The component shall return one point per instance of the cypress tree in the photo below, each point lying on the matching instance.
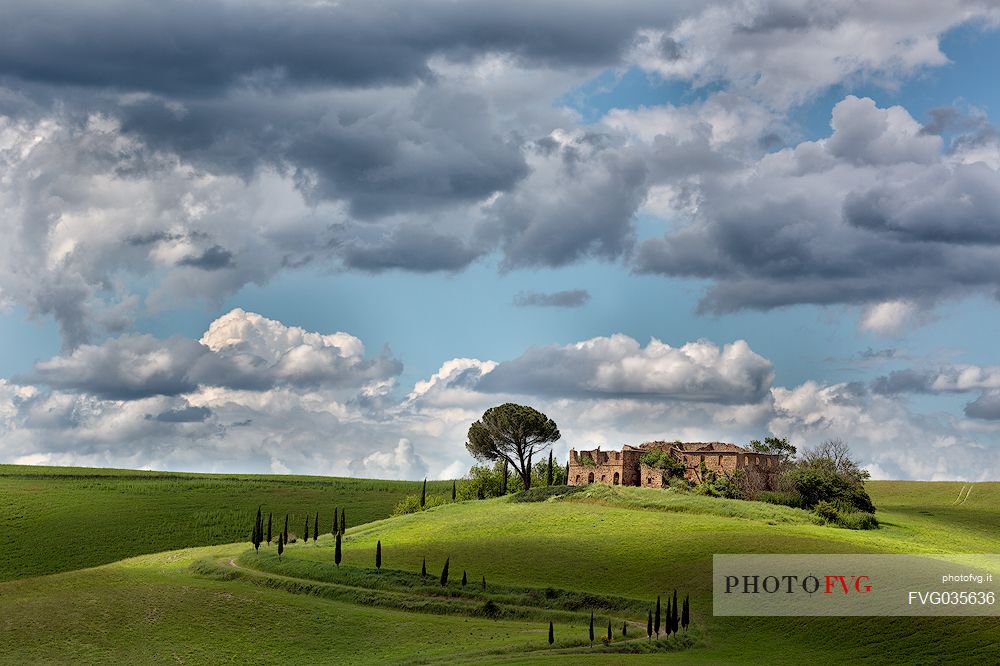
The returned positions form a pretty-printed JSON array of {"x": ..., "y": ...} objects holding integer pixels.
[
  {"x": 668, "y": 619},
  {"x": 343, "y": 520},
  {"x": 454, "y": 489},
  {"x": 675, "y": 616},
  {"x": 285, "y": 533},
  {"x": 591, "y": 626},
  {"x": 378, "y": 555},
  {"x": 423, "y": 568},
  {"x": 656, "y": 618},
  {"x": 552, "y": 636},
  {"x": 609, "y": 630},
  {"x": 337, "y": 554},
  {"x": 686, "y": 614},
  {"x": 624, "y": 629},
  {"x": 316, "y": 527},
  {"x": 484, "y": 583},
  {"x": 257, "y": 532},
  {"x": 548, "y": 471},
  {"x": 649, "y": 624},
  {"x": 336, "y": 516},
  {"x": 503, "y": 482},
  {"x": 465, "y": 579},
  {"x": 566, "y": 479},
  {"x": 269, "y": 528},
  {"x": 444, "y": 572},
  {"x": 281, "y": 546},
  {"x": 305, "y": 539},
  {"x": 423, "y": 494}
]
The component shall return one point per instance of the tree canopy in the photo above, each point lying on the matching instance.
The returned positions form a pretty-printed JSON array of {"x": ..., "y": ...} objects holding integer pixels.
[{"x": 513, "y": 433}]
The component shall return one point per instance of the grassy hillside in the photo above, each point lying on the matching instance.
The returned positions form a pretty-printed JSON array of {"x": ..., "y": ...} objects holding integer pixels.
[
  {"x": 62, "y": 518},
  {"x": 610, "y": 551}
]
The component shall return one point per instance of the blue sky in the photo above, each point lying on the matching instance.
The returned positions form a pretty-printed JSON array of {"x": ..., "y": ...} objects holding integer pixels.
[{"x": 477, "y": 203}]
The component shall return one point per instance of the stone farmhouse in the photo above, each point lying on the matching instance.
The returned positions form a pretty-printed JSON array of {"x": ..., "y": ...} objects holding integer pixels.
[{"x": 626, "y": 468}]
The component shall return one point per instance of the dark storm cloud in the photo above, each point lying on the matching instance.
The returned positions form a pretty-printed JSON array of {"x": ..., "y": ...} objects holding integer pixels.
[
  {"x": 904, "y": 381},
  {"x": 383, "y": 152},
  {"x": 971, "y": 128},
  {"x": 957, "y": 205},
  {"x": 572, "y": 298},
  {"x": 986, "y": 406},
  {"x": 126, "y": 368},
  {"x": 791, "y": 16},
  {"x": 873, "y": 213},
  {"x": 196, "y": 48},
  {"x": 211, "y": 259},
  {"x": 577, "y": 203},
  {"x": 412, "y": 249}
]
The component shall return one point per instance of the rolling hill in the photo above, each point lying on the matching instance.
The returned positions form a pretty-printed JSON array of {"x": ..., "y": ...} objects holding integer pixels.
[{"x": 609, "y": 551}]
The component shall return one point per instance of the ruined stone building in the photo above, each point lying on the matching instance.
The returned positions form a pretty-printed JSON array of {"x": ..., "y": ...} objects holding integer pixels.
[{"x": 626, "y": 468}]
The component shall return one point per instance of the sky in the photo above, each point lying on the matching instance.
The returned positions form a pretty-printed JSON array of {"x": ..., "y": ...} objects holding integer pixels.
[{"x": 323, "y": 238}]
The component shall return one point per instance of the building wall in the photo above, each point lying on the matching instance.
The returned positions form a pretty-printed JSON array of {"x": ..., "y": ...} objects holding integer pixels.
[
  {"x": 623, "y": 467},
  {"x": 651, "y": 477},
  {"x": 606, "y": 468}
]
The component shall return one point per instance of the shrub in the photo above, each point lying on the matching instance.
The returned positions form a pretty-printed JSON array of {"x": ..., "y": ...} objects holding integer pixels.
[
  {"x": 820, "y": 483},
  {"x": 858, "y": 520},
  {"x": 484, "y": 481},
  {"x": 791, "y": 499},
  {"x": 409, "y": 504},
  {"x": 489, "y": 609},
  {"x": 723, "y": 485},
  {"x": 681, "y": 484},
  {"x": 585, "y": 459},
  {"x": 827, "y": 511}
]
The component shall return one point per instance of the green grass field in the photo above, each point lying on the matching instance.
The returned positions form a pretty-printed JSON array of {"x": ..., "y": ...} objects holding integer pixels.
[
  {"x": 62, "y": 518},
  {"x": 610, "y": 551}
]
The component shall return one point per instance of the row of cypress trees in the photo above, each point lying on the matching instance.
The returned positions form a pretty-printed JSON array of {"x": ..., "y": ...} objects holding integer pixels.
[
  {"x": 262, "y": 534},
  {"x": 674, "y": 619}
]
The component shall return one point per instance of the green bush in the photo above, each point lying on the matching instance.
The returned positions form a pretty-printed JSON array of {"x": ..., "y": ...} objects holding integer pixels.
[
  {"x": 681, "y": 484},
  {"x": 858, "y": 520},
  {"x": 827, "y": 511},
  {"x": 485, "y": 481},
  {"x": 489, "y": 609},
  {"x": 585, "y": 459},
  {"x": 723, "y": 485},
  {"x": 791, "y": 499},
  {"x": 817, "y": 484}
]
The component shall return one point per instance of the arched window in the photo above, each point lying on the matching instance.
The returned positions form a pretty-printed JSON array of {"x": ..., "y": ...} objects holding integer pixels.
[
  {"x": 590, "y": 478},
  {"x": 603, "y": 478},
  {"x": 578, "y": 478},
  {"x": 616, "y": 478},
  {"x": 720, "y": 460}
]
